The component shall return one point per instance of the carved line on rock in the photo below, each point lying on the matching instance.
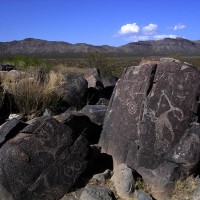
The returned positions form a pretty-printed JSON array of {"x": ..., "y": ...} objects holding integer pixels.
[{"x": 162, "y": 144}]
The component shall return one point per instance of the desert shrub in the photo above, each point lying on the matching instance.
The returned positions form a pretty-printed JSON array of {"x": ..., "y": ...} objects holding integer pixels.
[
  {"x": 141, "y": 185},
  {"x": 31, "y": 94},
  {"x": 99, "y": 61},
  {"x": 184, "y": 189},
  {"x": 27, "y": 62}
]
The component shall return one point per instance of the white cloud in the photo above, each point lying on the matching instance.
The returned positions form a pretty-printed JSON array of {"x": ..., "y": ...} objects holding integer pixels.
[
  {"x": 129, "y": 28},
  {"x": 137, "y": 38},
  {"x": 178, "y": 27},
  {"x": 159, "y": 37},
  {"x": 150, "y": 29},
  {"x": 143, "y": 33}
]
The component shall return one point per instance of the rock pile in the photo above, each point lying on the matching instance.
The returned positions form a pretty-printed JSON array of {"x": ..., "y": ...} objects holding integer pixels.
[{"x": 149, "y": 142}]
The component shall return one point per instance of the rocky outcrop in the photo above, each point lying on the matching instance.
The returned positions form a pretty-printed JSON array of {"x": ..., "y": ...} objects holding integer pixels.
[
  {"x": 43, "y": 161},
  {"x": 152, "y": 123}
]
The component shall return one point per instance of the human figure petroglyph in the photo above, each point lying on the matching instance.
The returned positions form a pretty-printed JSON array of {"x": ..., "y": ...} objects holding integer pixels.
[{"x": 161, "y": 143}]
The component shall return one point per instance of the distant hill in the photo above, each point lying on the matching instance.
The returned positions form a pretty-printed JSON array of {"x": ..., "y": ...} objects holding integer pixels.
[{"x": 167, "y": 46}]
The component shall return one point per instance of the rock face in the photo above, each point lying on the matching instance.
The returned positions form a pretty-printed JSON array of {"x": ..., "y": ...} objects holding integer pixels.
[
  {"x": 42, "y": 162},
  {"x": 153, "y": 111}
]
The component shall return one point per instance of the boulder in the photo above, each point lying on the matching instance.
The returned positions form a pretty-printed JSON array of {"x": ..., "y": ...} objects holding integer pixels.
[
  {"x": 72, "y": 92},
  {"x": 42, "y": 162},
  {"x": 93, "y": 192},
  {"x": 96, "y": 113},
  {"x": 82, "y": 124},
  {"x": 140, "y": 195},
  {"x": 7, "y": 67},
  {"x": 102, "y": 177},
  {"x": 10, "y": 129},
  {"x": 186, "y": 152},
  {"x": 152, "y": 107},
  {"x": 93, "y": 95},
  {"x": 103, "y": 101},
  {"x": 18, "y": 116},
  {"x": 109, "y": 84},
  {"x": 94, "y": 80}
]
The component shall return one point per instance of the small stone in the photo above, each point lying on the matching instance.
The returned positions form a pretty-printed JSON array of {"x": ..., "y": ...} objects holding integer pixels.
[
  {"x": 93, "y": 192},
  {"x": 102, "y": 177},
  {"x": 142, "y": 195}
]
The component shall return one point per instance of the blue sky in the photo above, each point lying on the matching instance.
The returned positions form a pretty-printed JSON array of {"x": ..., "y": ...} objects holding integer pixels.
[{"x": 99, "y": 22}]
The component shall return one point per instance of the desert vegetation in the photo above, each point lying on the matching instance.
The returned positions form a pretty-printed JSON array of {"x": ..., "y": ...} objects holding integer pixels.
[
  {"x": 33, "y": 87},
  {"x": 33, "y": 90},
  {"x": 184, "y": 189},
  {"x": 108, "y": 64}
]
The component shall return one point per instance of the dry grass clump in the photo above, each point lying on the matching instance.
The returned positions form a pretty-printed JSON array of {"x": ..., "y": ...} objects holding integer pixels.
[
  {"x": 77, "y": 70},
  {"x": 184, "y": 189},
  {"x": 141, "y": 185},
  {"x": 33, "y": 91}
]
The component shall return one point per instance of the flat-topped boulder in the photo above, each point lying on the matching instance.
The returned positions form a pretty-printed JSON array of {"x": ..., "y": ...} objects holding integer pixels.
[{"x": 149, "y": 118}]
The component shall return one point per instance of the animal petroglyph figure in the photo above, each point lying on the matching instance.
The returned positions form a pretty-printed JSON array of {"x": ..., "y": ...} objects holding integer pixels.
[{"x": 162, "y": 144}]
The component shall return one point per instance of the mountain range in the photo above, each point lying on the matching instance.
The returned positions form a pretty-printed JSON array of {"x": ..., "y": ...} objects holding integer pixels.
[{"x": 31, "y": 46}]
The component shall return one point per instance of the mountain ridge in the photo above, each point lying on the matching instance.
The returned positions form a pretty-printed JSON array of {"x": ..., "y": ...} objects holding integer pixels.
[{"x": 32, "y": 46}]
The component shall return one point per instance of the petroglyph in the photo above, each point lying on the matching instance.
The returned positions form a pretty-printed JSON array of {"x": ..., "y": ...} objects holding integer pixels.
[
  {"x": 131, "y": 106},
  {"x": 161, "y": 143}
]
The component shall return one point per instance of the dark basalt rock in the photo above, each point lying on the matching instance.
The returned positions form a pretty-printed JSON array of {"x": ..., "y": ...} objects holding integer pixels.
[
  {"x": 152, "y": 107},
  {"x": 83, "y": 122},
  {"x": 186, "y": 152},
  {"x": 93, "y": 95},
  {"x": 10, "y": 129},
  {"x": 72, "y": 93},
  {"x": 42, "y": 162},
  {"x": 96, "y": 113},
  {"x": 109, "y": 84},
  {"x": 6, "y": 67},
  {"x": 93, "y": 192}
]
